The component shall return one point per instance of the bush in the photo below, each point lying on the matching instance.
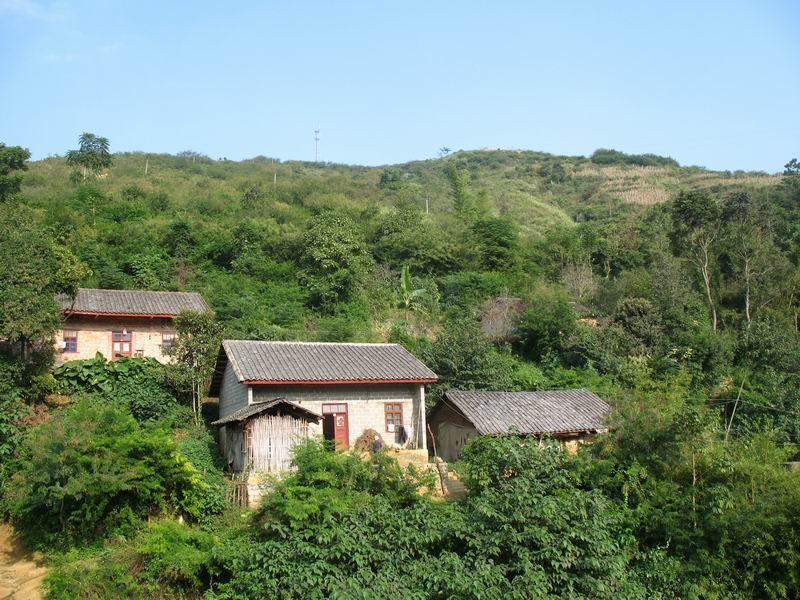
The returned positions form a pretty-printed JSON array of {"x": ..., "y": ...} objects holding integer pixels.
[
  {"x": 207, "y": 498},
  {"x": 166, "y": 560},
  {"x": 545, "y": 327},
  {"x": 93, "y": 471}
]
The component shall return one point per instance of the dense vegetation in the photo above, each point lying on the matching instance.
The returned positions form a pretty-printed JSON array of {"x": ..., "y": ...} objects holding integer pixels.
[{"x": 670, "y": 291}]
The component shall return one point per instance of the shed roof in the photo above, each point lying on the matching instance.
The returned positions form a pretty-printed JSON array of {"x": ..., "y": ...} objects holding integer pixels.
[
  {"x": 547, "y": 411},
  {"x": 323, "y": 363},
  {"x": 256, "y": 409},
  {"x": 131, "y": 303}
]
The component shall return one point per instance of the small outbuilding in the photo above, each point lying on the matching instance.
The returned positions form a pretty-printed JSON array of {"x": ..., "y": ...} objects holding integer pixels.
[
  {"x": 568, "y": 415},
  {"x": 260, "y": 436}
]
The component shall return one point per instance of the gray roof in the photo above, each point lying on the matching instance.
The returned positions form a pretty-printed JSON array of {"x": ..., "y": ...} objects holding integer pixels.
[
  {"x": 547, "y": 411},
  {"x": 312, "y": 362},
  {"x": 131, "y": 302},
  {"x": 256, "y": 409}
]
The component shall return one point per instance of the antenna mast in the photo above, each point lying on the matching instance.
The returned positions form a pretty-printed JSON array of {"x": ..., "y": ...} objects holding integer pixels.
[{"x": 316, "y": 144}]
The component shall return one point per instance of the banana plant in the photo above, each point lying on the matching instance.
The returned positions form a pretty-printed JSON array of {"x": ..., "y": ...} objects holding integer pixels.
[{"x": 408, "y": 295}]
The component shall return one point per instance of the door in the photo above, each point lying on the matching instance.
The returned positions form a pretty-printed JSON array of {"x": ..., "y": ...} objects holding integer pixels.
[
  {"x": 121, "y": 343},
  {"x": 334, "y": 424}
]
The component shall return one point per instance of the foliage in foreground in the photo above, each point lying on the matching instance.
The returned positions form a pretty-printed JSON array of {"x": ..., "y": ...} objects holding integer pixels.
[
  {"x": 93, "y": 471},
  {"x": 332, "y": 530}
]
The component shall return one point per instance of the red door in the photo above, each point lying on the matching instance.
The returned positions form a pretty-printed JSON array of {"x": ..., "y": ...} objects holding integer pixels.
[
  {"x": 121, "y": 343},
  {"x": 334, "y": 426}
]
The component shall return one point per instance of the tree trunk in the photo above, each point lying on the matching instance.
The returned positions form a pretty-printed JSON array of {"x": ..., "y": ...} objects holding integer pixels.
[{"x": 705, "y": 268}]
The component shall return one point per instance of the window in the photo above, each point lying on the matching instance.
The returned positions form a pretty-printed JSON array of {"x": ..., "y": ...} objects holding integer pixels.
[
  {"x": 70, "y": 341},
  {"x": 167, "y": 339},
  {"x": 394, "y": 417},
  {"x": 122, "y": 343},
  {"x": 328, "y": 409}
]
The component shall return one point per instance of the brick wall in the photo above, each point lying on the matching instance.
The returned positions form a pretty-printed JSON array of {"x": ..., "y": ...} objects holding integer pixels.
[
  {"x": 94, "y": 335},
  {"x": 365, "y": 406}
]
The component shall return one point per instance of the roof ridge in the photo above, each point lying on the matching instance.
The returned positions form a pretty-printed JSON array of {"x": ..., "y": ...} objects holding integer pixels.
[{"x": 135, "y": 291}]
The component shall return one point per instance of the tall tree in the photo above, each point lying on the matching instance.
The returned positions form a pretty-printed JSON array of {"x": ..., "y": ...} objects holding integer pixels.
[
  {"x": 33, "y": 269},
  {"x": 696, "y": 223},
  {"x": 12, "y": 160},
  {"x": 195, "y": 352},
  {"x": 92, "y": 156},
  {"x": 749, "y": 244}
]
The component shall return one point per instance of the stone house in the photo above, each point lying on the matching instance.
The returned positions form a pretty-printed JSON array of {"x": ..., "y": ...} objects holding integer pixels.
[
  {"x": 334, "y": 390},
  {"x": 121, "y": 323},
  {"x": 567, "y": 415}
]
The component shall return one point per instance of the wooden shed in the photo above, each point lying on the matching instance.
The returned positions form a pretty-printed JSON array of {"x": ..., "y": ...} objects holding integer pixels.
[
  {"x": 260, "y": 437},
  {"x": 569, "y": 415}
]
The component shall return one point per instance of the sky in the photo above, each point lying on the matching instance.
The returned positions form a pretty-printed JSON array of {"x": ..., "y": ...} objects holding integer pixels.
[{"x": 715, "y": 84}]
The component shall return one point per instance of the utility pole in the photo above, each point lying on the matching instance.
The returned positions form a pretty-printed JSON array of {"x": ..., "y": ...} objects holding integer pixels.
[{"x": 316, "y": 144}]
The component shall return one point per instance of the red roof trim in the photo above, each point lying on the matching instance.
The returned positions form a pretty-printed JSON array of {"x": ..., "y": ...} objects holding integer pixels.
[
  {"x": 87, "y": 313},
  {"x": 332, "y": 381}
]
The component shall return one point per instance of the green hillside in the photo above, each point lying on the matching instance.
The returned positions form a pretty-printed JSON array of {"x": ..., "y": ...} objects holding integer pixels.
[
  {"x": 159, "y": 221},
  {"x": 671, "y": 292}
]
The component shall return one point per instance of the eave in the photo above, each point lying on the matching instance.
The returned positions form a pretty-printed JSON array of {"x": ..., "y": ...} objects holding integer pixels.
[
  {"x": 332, "y": 381},
  {"x": 84, "y": 313}
]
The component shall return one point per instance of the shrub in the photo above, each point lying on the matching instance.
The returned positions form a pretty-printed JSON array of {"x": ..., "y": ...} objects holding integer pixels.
[
  {"x": 207, "y": 498},
  {"x": 545, "y": 327},
  {"x": 91, "y": 471}
]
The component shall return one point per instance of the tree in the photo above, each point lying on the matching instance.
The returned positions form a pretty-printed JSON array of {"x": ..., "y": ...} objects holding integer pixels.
[
  {"x": 695, "y": 227},
  {"x": 33, "y": 269},
  {"x": 92, "y": 156},
  {"x": 195, "y": 353},
  {"x": 12, "y": 158},
  {"x": 749, "y": 243},
  {"x": 335, "y": 258}
]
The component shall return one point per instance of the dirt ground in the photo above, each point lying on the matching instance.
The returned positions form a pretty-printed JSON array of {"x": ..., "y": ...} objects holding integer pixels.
[{"x": 21, "y": 573}]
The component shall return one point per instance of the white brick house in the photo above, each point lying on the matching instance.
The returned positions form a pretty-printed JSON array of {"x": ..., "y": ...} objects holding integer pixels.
[{"x": 338, "y": 390}]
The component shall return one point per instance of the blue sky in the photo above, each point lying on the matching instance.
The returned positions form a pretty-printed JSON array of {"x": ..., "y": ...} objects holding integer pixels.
[{"x": 710, "y": 83}]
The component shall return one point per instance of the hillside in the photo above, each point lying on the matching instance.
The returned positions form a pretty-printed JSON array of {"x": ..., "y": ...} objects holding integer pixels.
[
  {"x": 672, "y": 293},
  {"x": 152, "y": 220}
]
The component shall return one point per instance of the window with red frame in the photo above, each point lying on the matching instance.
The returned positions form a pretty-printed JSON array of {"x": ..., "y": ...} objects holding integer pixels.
[
  {"x": 167, "y": 339},
  {"x": 394, "y": 416},
  {"x": 70, "y": 341}
]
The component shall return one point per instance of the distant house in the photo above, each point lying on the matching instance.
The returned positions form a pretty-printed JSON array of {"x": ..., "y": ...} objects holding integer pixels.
[
  {"x": 569, "y": 415},
  {"x": 121, "y": 322},
  {"x": 271, "y": 393}
]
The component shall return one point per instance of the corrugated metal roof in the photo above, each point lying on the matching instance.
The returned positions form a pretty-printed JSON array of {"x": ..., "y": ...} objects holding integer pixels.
[
  {"x": 319, "y": 362},
  {"x": 131, "y": 302},
  {"x": 547, "y": 411},
  {"x": 256, "y": 409}
]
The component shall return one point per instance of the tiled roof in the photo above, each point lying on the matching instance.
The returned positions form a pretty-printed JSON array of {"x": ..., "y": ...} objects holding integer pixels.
[
  {"x": 131, "y": 302},
  {"x": 317, "y": 362},
  {"x": 548, "y": 411},
  {"x": 256, "y": 409}
]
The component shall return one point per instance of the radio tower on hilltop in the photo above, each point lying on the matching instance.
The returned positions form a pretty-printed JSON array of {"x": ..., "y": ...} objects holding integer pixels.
[{"x": 316, "y": 144}]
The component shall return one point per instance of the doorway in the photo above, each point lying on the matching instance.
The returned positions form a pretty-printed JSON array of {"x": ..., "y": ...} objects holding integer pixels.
[{"x": 334, "y": 424}]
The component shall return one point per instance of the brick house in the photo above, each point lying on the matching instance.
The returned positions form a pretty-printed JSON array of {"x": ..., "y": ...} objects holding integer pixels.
[
  {"x": 121, "y": 322},
  {"x": 313, "y": 388},
  {"x": 567, "y": 415}
]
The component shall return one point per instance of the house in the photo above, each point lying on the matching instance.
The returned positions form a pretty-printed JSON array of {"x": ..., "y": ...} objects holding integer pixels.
[
  {"x": 121, "y": 322},
  {"x": 568, "y": 415},
  {"x": 334, "y": 390}
]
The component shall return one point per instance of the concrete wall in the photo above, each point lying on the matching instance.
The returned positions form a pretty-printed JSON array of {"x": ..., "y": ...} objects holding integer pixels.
[
  {"x": 94, "y": 335},
  {"x": 365, "y": 406}
]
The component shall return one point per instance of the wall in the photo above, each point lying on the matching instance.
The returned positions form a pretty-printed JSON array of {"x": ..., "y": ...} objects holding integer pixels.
[
  {"x": 365, "y": 406},
  {"x": 451, "y": 431},
  {"x": 94, "y": 335},
  {"x": 232, "y": 394}
]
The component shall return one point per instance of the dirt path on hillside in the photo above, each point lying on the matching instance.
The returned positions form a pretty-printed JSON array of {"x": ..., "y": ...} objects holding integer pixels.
[{"x": 21, "y": 573}]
